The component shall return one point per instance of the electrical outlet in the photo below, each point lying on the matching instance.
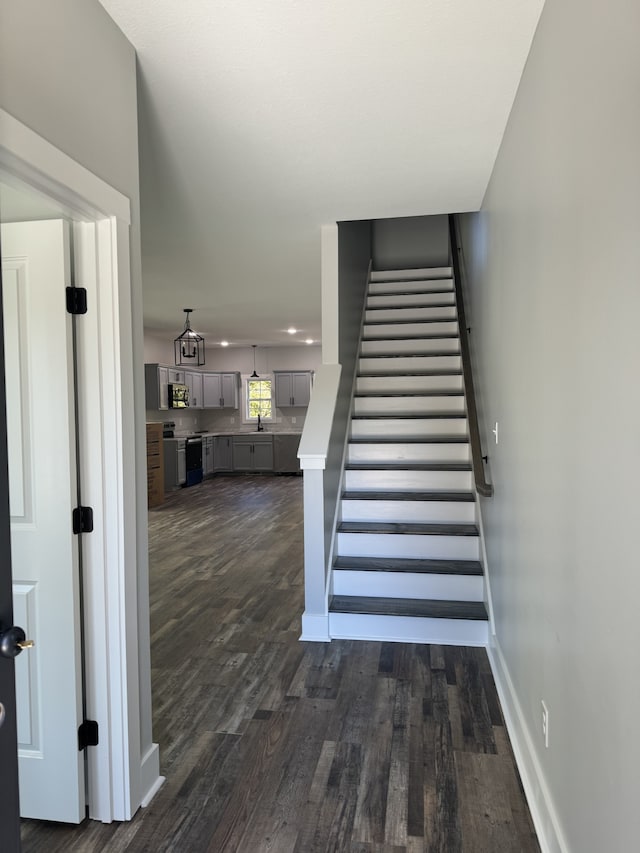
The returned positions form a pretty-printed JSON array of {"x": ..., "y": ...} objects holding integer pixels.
[
  {"x": 495, "y": 431},
  {"x": 545, "y": 724},
  {"x": 232, "y": 420},
  {"x": 293, "y": 420}
]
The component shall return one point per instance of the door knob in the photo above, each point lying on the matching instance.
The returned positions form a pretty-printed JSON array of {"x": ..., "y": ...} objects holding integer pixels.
[{"x": 13, "y": 641}]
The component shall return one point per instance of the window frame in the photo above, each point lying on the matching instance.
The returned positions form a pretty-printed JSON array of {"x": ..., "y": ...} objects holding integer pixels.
[{"x": 246, "y": 417}]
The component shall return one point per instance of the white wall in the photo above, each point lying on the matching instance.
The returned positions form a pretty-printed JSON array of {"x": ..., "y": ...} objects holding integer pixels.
[
  {"x": 410, "y": 242},
  {"x": 554, "y": 259},
  {"x": 68, "y": 73}
]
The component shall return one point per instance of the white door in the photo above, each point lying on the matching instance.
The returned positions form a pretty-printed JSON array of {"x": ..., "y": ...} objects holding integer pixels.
[{"x": 42, "y": 490}]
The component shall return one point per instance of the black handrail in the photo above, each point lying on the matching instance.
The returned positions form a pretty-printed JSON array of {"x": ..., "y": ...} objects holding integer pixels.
[{"x": 483, "y": 487}]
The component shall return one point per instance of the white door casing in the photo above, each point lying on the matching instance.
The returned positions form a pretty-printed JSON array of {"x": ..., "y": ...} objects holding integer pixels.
[{"x": 42, "y": 480}]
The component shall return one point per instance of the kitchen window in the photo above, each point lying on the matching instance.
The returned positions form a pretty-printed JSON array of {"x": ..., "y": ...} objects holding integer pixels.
[{"x": 259, "y": 399}]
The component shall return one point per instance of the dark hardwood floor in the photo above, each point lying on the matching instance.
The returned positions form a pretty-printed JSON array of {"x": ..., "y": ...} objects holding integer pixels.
[{"x": 270, "y": 744}]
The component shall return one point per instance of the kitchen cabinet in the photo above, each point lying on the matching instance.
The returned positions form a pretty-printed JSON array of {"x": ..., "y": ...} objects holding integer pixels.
[
  {"x": 207, "y": 455},
  {"x": 220, "y": 390},
  {"x": 175, "y": 463},
  {"x": 193, "y": 381},
  {"x": 292, "y": 388},
  {"x": 252, "y": 452},
  {"x": 155, "y": 465},
  {"x": 285, "y": 453},
  {"x": 223, "y": 453},
  {"x": 156, "y": 379}
]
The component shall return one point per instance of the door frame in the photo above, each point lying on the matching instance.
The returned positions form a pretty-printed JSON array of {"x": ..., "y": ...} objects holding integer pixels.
[{"x": 119, "y": 778}]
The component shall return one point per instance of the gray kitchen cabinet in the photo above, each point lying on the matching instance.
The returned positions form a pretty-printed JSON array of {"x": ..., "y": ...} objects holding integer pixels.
[
  {"x": 252, "y": 453},
  {"x": 175, "y": 463},
  {"x": 285, "y": 454},
  {"x": 193, "y": 381},
  {"x": 220, "y": 390},
  {"x": 156, "y": 379},
  {"x": 207, "y": 455},
  {"x": 223, "y": 453},
  {"x": 292, "y": 388}
]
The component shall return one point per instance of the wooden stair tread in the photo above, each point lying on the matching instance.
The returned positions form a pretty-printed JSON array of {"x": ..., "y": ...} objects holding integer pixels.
[
  {"x": 438, "y": 336},
  {"x": 437, "y": 392},
  {"x": 408, "y": 466},
  {"x": 429, "y": 608},
  {"x": 408, "y": 528},
  {"x": 432, "y": 495},
  {"x": 408, "y": 306},
  {"x": 407, "y": 415},
  {"x": 409, "y": 565},
  {"x": 434, "y": 354},
  {"x": 409, "y": 373},
  {"x": 410, "y": 292},
  {"x": 414, "y": 320},
  {"x": 411, "y": 439}
]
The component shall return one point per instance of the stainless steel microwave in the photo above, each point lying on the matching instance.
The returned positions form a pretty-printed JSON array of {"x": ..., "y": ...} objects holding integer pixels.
[{"x": 178, "y": 395}]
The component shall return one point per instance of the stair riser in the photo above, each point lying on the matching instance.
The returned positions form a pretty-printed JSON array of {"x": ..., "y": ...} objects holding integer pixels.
[
  {"x": 411, "y": 346},
  {"x": 407, "y": 405},
  {"x": 408, "y": 452},
  {"x": 409, "y": 330},
  {"x": 408, "y": 480},
  {"x": 449, "y": 512},
  {"x": 407, "y": 384},
  {"x": 408, "y": 629},
  {"x": 425, "y": 273},
  {"x": 398, "y": 428},
  {"x": 399, "y": 300},
  {"x": 406, "y": 585},
  {"x": 412, "y": 315},
  {"x": 409, "y": 364},
  {"x": 408, "y": 545}
]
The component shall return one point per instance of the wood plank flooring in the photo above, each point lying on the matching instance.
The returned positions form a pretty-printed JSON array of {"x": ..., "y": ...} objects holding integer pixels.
[{"x": 270, "y": 745}]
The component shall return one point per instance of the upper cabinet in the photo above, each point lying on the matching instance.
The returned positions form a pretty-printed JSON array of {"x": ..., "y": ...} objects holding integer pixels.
[
  {"x": 206, "y": 390},
  {"x": 292, "y": 388}
]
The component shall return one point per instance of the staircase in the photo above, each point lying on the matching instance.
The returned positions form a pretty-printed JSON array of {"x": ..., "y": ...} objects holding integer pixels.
[{"x": 407, "y": 564}]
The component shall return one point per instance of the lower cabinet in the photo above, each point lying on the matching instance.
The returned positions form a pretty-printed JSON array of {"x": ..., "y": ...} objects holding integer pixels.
[
  {"x": 252, "y": 453},
  {"x": 207, "y": 455},
  {"x": 175, "y": 463},
  {"x": 223, "y": 453},
  {"x": 285, "y": 454}
]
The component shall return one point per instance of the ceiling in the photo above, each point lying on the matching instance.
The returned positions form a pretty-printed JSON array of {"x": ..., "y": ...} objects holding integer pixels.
[{"x": 261, "y": 120}]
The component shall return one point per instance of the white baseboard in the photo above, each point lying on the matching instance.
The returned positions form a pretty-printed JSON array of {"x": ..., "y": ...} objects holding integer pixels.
[
  {"x": 543, "y": 813},
  {"x": 150, "y": 779},
  {"x": 315, "y": 628}
]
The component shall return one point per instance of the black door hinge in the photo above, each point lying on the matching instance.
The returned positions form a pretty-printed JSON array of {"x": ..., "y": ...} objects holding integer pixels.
[
  {"x": 77, "y": 300},
  {"x": 83, "y": 519},
  {"x": 87, "y": 734}
]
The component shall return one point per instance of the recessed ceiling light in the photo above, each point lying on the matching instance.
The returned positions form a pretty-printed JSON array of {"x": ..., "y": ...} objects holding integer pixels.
[
  {"x": 291, "y": 330},
  {"x": 309, "y": 341},
  {"x": 224, "y": 343}
]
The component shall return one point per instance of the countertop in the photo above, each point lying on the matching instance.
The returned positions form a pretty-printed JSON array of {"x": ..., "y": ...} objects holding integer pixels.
[{"x": 238, "y": 432}]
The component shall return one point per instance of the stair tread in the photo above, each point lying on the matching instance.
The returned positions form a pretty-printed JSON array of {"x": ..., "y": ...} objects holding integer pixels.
[
  {"x": 405, "y": 564},
  {"x": 413, "y": 320},
  {"x": 410, "y": 292},
  {"x": 391, "y": 495},
  {"x": 408, "y": 528},
  {"x": 436, "y": 392},
  {"x": 406, "y": 415},
  {"x": 429, "y": 608},
  {"x": 439, "y": 336},
  {"x": 434, "y": 354},
  {"x": 410, "y": 439},
  {"x": 408, "y": 466},
  {"x": 409, "y": 306}
]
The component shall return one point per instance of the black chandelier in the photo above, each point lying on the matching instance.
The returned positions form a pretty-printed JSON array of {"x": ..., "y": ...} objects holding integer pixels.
[
  {"x": 189, "y": 346},
  {"x": 254, "y": 375}
]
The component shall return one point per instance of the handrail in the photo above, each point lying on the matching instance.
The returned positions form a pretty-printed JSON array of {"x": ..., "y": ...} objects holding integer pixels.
[{"x": 483, "y": 487}]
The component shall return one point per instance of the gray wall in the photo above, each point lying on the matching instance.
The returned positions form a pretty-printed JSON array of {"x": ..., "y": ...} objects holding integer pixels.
[
  {"x": 410, "y": 242},
  {"x": 554, "y": 260},
  {"x": 354, "y": 254},
  {"x": 68, "y": 73}
]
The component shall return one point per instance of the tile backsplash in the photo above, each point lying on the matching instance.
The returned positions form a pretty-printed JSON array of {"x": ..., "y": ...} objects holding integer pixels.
[{"x": 226, "y": 420}]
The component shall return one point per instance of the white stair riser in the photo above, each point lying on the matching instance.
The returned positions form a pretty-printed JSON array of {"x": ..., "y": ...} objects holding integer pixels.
[
  {"x": 408, "y": 480},
  {"x": 413, "y": 315},
  {"x": 408, "y": 545},
  {"x": 399, "y": 428},
  {"x": 408, "y": 330},
  {"x": 410, "y": 384},
  {"x": 407, "y": 364},
  {"x": 398, "y": 300},
  {"x": 411, "y": 346},
  {"x": 426, "y": 273},
  {"x": 408, "y": 585},
  {"x": 408, "y": 405},
  {"x": 408, "y": 629},
  {"x": 408, "y": 452},
  {"x": 461, "y": 512}
]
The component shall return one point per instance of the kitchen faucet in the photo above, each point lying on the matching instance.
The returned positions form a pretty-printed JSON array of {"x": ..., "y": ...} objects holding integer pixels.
[{"x": 260, "y": 427}]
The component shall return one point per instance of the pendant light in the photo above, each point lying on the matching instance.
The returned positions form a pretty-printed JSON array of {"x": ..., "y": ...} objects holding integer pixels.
[
  {"x": 254, "y": 375},
  {"x": 189, "y": 346}
]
